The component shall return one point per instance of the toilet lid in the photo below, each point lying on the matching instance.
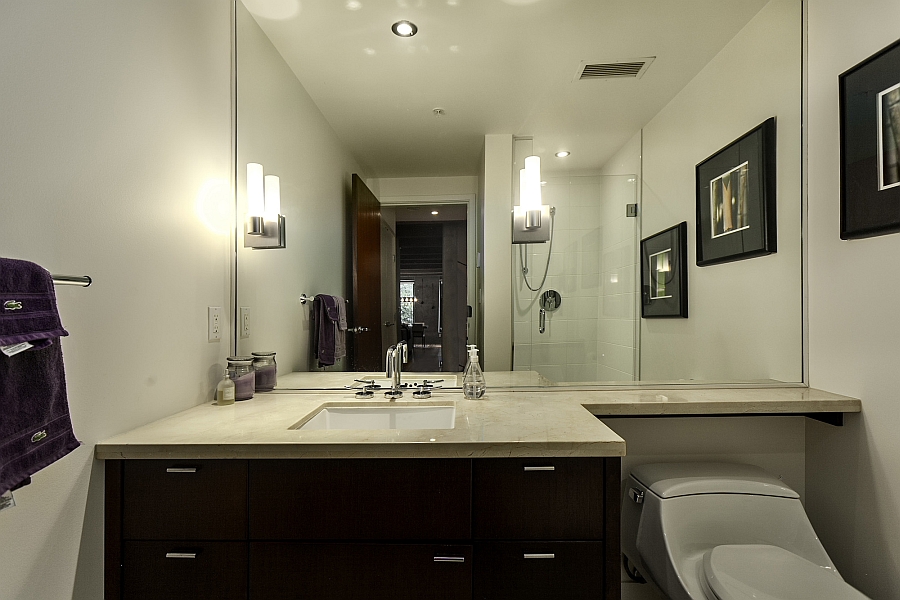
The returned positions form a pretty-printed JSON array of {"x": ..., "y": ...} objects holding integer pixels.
[{"x": 760, "y": 572}]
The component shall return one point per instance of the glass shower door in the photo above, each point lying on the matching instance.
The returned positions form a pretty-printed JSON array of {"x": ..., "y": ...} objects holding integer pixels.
[{"x": 593, "y": 334}]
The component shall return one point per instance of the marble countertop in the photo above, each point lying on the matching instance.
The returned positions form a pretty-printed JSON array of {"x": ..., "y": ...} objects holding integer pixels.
[{"x": 504, "y": 423}]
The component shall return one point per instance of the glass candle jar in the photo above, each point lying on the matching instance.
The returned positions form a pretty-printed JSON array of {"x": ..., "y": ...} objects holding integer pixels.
[
  {"x": 266, "y": 371},
  {"x": 240, "y": 370}
]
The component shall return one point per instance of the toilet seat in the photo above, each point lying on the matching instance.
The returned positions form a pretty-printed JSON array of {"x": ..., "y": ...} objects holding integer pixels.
[{"x": 761, "y": 572}]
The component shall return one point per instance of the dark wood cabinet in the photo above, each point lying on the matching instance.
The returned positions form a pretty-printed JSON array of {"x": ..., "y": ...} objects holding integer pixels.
[
  {"x": 538, "y": 499},
  {"x": 539, "y": 570},
  {"x": 347, "y": 529},
  {"x": 184, "y": 500},
  {"x": 360, "y": 571},
  {"x": 190, "y": 570},
  {"x": 360, "y": 499}
]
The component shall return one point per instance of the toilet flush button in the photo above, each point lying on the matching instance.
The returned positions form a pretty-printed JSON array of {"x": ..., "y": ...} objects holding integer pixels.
[{"x": 636, "y": 495}]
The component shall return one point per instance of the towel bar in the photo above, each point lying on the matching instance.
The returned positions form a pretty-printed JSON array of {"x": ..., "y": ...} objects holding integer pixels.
[
  {"x": 304, "y": 299},
  {"x": 82, "y": 281}
]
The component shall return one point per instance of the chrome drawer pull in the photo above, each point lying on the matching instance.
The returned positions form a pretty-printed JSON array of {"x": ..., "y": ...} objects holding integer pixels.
[
  {"x": 456, "y": 559},
  {"x": 539, "y": 556},
  {"x": 540, "y": 468},
  {"x": 181, "y": 555},
  {"x": 181, "y": 470}
]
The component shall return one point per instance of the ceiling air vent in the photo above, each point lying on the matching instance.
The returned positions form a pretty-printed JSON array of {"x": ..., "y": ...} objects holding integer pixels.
[{"x": 634, "y": 67}]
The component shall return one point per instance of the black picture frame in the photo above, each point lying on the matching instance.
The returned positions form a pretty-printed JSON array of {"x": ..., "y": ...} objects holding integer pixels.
[
  {"x": 870, "y": 146},
  {"x": 744, "y": 172},
  {"x": 664, "y": 278}
]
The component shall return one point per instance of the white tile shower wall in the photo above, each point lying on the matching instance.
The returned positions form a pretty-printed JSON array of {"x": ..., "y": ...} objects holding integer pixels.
[
  {"x": 569, "y": 348},
  {"x": 616, "y": 329}
]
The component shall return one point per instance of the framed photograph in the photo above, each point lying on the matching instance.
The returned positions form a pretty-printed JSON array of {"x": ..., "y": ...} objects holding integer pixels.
[
  {"x": 664, "y": 291},
  {"x": 870, "y": 146},
  {"x": 736, "y": 199}
]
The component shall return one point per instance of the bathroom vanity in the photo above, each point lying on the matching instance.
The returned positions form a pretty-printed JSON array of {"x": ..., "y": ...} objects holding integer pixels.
[
  {"x": 519, "y": 499},
  {"x": 363, "y": 528}
]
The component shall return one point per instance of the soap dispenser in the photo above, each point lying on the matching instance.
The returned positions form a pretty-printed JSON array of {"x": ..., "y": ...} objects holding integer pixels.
[
  {"x": 225, "y": 391},
  {"x": 473, "y": 379}
]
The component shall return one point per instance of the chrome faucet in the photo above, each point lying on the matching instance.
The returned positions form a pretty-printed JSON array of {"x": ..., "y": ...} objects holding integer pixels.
[{"x": 396, "y": 356}]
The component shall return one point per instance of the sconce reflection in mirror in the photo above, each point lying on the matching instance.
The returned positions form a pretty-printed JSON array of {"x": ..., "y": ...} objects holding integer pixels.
[
  {"x": 531, "y": 219},
  {"x": 264, "y": 226}
]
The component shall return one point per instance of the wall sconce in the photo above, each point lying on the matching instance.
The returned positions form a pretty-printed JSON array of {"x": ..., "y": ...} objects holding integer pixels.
[
  {"x": 531, "y": 219},
  {"x": 264, "y": 227}
]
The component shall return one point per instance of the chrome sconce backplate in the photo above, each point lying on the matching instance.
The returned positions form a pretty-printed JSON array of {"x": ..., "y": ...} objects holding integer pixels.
[
  {"x": 531, "y": 226},
  {"x": 262, "y": 232}
]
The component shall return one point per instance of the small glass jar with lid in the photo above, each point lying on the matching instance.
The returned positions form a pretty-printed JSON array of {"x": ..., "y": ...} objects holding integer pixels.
[
  {"x": 266, "y": 371},
  {"x": 240, "y": 370}
]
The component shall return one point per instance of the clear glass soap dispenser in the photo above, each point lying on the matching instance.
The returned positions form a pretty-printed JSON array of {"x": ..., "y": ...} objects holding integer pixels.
[
  {"x": 473, "y": 379},
  {"x": 225, "y": 391}
]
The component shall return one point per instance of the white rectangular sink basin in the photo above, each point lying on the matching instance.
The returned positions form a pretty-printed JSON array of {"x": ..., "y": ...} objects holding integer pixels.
[{"x": 379, "y": 415}]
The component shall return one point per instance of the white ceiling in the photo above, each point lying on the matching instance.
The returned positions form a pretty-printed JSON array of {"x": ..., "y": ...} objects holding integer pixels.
[{"x": 494, "y": 66}]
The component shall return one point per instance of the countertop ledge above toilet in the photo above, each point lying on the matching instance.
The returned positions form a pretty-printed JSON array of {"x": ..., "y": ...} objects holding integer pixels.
[{"x": 506, "y": 423}]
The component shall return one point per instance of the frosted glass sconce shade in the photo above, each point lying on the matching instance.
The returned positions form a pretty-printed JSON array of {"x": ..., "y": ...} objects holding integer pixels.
[
  {"x": 265, "y": 225},
  {"x": 530, "y": 217},
  {"x": 273, "y": 196}
]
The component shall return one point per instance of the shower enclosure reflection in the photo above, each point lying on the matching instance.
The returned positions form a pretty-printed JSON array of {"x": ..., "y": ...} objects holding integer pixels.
[{"x": 593, "y": 265}]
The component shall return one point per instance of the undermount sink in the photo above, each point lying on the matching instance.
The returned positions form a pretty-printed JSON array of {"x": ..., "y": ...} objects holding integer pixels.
[{"x": 379, "y": 415}]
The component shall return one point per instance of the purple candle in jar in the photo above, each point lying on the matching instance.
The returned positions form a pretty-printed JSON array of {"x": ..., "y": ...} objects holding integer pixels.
[
  {"x": 266, "y": 377},
  {"x": 240, "y": 370},
  {"x": 244, "y": 386},
  {"x": 266, "y": 371}
]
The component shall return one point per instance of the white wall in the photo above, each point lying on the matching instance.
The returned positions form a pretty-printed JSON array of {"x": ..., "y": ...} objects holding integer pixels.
[
  {"x": 113, "y": 117},
  {"x": 853, "y": 472},
  {"x": 280, "y": 127},
  {"x": 745, "y": 316},
  {"x": 497, "y": 260}
]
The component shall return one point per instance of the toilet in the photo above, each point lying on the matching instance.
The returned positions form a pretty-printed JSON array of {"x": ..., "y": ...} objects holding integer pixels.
[{"x": 720, "y": 531}]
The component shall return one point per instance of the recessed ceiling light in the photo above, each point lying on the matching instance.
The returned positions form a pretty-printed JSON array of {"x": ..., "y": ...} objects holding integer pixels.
[
  {"x": 562, "y": 154},
  {"x": 543, "y": 183},
  {"x": 434, "y": 212},
  {"x": 404, "y": 28},
  {"x": 353, "y": 5}
]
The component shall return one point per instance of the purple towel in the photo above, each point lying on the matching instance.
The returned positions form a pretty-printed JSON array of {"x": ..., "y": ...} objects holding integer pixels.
[
  {"x": 35, "y": 428},
  {"x": 330, "y": 328}
]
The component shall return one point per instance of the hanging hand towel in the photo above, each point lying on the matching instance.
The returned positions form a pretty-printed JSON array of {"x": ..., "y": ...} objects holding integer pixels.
[
  {"x": 330, "y": 317},
  {"x": 340, "y": 330},
  {"x": 35, "y": 428},
  {"x": 324, "y": 330}
]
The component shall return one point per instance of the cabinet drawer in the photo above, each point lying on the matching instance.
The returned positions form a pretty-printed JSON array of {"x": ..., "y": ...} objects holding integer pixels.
[
  {"x": 179, "y": 500},
  {"x": 174, "y": 570},
  {"x": 364, "y": 499},
  {"x": 323, "y": 571},
  {"x": 539, "y": 570},
  {"x": 528, "y": 499}
]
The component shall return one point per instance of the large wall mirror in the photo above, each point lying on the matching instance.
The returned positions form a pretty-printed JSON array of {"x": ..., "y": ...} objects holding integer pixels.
[{"x": 398, "y": 161}]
